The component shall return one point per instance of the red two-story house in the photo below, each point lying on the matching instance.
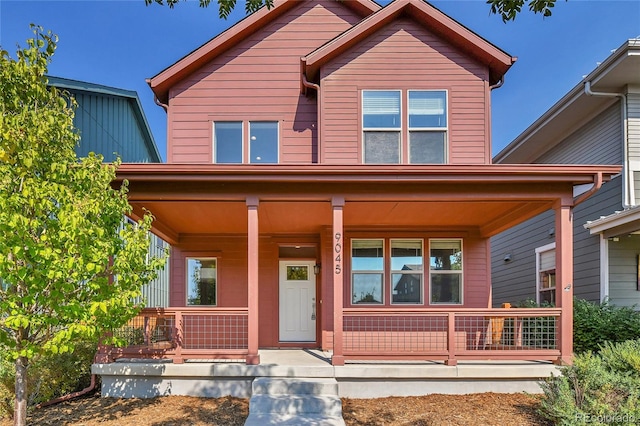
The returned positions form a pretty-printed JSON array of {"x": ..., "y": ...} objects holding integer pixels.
[{"x": 329, "y": 185}]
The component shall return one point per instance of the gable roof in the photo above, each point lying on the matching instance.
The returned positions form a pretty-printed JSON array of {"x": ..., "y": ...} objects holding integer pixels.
[
  {"x": 618, "y": 71},
  {"x": 130, "y": 95},
  {"x": 427, "y": 15},
  {"x": 162, "y": 82}
]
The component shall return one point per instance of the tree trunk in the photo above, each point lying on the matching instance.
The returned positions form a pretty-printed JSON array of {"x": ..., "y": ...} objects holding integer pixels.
[{"x": 20, "y": 409}]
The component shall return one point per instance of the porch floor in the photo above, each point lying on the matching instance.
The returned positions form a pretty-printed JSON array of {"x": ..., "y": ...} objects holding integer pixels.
[{"x": 137, "y": 378}]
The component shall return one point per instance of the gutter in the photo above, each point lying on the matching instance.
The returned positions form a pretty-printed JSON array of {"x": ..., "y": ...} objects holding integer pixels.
[
  {"x": 165, "y": 107},
  {"x": 626, "y": 186}
]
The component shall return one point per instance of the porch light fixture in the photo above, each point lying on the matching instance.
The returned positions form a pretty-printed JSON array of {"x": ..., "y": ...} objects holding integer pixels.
[{"x": 316, "y": 268}]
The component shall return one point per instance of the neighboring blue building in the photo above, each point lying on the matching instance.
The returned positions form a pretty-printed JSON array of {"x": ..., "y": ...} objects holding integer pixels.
[{"x": 111, "y": 122}]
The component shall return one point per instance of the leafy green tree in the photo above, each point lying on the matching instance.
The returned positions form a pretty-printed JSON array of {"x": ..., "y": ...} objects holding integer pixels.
[
  {"x": 70, "y": 268},
  {"x": 507, "y": 9}
]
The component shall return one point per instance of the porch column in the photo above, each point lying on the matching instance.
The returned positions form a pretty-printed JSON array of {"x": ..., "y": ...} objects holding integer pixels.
[
  {"x": 338, "y": 303},
  {"x": 564, "y": 278},
  {"x": 252, "y": 280}
]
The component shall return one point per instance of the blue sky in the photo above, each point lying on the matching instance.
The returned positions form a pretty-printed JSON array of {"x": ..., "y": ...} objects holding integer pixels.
[{"x": 120, "y": 43}]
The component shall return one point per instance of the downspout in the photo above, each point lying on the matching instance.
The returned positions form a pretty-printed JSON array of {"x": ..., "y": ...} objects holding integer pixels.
[
  {"x": 597, "y": 184},
  {"x": 625, "y": 140},
  {"x": 306, "y": 83},
  {"x": 73, "y": 395},
  {"x": 165, "y": 107},
  {"x": 498, "y": 84}
]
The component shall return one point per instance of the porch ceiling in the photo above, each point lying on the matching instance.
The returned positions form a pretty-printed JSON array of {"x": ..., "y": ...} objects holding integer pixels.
[
  {"x": 294, "y": 200},
  {"x": 179, "y": 218}
]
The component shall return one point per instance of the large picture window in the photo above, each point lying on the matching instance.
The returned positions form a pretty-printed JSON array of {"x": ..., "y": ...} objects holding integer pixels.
[
  {"x": 406, "y": 271},
  {"x": 367, "y": 271},
  {"x": 445, "y": 264},
  {"x": 202, "y": 277},
  {"x": 424, "y": 140}
]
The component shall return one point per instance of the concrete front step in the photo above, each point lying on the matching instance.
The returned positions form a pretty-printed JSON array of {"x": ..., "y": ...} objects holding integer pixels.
[
  {"x": 327, "y": 405},
  {"x": 294, "y": 386},
  {"x": 295, "y": 401},
  {"x": 290, "y": 420}
]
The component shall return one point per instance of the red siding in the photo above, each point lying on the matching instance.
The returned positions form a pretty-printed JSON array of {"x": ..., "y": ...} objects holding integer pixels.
[
  {"x": 259, "y": 79},
  {"x": 404, "y": 55}
]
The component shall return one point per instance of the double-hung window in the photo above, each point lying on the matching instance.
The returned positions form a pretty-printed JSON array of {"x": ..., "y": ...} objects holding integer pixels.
[
  {"x": 546, "y": 277},
  {"x": 260, "y": 145},
  {"x": 382, "y": 125},
  {"x": 427, "y": 126},
  {"x": 202, "y": 277},
  {"x": 391, "y": 136},
  {"x": 445, "y": 266},
  {"x": 406, "y": 271},
  {"x": 367, "y": 271}
]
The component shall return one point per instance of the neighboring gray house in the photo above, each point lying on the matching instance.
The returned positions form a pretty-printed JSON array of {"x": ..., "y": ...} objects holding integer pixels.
[
  {"x": 597, "y": 122},
  {"x": 111, "y": 122}
]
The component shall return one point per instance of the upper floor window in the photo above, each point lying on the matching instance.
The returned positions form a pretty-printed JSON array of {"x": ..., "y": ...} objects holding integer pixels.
[
  {"x": 230, "y": 143},
  {"x": 385, "y": 140}
]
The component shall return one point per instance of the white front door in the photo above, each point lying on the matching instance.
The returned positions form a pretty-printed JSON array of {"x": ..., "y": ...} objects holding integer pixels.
[{"x": 297, "y": 301}]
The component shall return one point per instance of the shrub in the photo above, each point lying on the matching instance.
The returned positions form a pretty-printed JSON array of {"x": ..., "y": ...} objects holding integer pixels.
[
  {"x": 49, "y": 377},
  {"x": 601, "y": 388},
  {"x": 594, "y": 324}
]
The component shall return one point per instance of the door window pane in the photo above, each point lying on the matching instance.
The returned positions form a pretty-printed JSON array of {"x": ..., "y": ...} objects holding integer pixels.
[
  {"x": 426, "y": 147},
  {"x": 297, "y": 273},
  {"x": 202, "y": 274},
  {"x": 227, "y": 138},
  {"x": 263, "y": 142}
]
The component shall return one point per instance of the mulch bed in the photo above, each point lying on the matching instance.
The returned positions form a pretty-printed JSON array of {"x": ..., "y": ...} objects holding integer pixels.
[{"x": 473, "y": 409}]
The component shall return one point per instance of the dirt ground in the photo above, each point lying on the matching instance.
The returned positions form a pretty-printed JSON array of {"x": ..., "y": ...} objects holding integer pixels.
[{"x": 432, "y": 410}]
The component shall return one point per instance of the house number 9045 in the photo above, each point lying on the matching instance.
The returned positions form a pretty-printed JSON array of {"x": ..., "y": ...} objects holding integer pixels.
[{"x": 338, "y": 249}]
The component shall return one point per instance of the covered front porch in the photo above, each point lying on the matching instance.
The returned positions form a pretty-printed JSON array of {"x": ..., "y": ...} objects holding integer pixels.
[{"x": 250, "y": 219}]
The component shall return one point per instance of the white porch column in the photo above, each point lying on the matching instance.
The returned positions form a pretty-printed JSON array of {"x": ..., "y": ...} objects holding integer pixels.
[
  {"x": 252, "y": 280},
  {"x": 564, "y": 278},
  {"x": 337, "y": 204}
]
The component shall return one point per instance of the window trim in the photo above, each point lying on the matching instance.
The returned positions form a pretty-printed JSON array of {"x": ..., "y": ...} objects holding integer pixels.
[
  {"x": 445, "y": 129},
  {"x": 383, "y": 272},
  {"x": 451, "y": 272},
  {"x": 539, "y": 251},
  {"x": 187, "y": 257},
  {"x": 392, "y": 271}
]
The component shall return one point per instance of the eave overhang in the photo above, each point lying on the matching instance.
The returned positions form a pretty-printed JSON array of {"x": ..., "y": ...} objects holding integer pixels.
[
  {"x": 619, "y": 223},
  {"x": 164, "y": 80},
  {"x": 617, "y": 74},
  {"x": 431, "y": 18}
]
